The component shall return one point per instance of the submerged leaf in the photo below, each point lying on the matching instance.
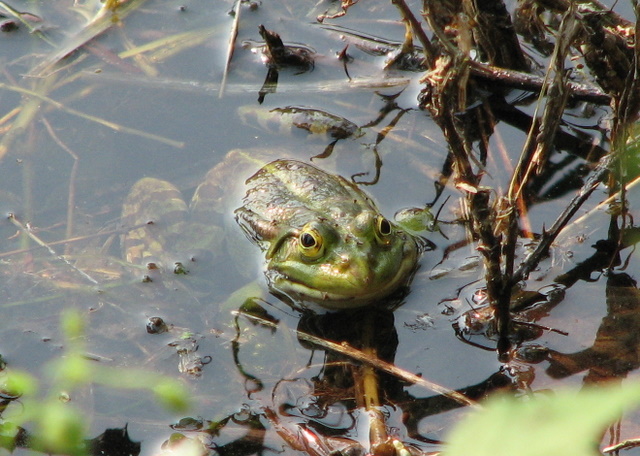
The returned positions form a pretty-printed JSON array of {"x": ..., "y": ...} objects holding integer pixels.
[{"x": 318, "y": 122}]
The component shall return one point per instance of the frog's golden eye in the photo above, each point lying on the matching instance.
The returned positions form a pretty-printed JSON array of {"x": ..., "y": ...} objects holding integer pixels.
[
  {"x": 383, "y": 229},
  {"x": 310, "y": 241}
]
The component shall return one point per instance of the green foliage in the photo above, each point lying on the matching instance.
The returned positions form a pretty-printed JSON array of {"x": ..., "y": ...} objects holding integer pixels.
[
  {"x": 72, "y": 324},
  {"x": 57, "y": 425},
  {"x": 566, "y": 423},
  {"x": 171, "y": 395},
  {"x": 61, "y": 428},
  {"x": 630, "y": 159},
  {"x": 72, "y": 370},
  {"x": 18, "y": 384}
]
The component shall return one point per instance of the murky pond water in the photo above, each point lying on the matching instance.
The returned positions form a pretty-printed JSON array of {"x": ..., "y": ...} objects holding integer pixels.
[{"x": 144, "y": 99}]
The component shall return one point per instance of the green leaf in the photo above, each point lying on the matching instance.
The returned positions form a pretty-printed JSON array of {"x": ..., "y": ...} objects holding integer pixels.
[
  {"x": 16, "y": 383},
  {"x": 566, "y": 423},
  {"x": 61, "y": 429},
  {"x": 172, "y": 395},
  {"x": 72, "y": 324},
  {"x": 73, "y": 370}
]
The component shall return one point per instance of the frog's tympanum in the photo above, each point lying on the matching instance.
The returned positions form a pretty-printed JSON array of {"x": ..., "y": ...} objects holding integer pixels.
[{"x": 324, "y": 240}]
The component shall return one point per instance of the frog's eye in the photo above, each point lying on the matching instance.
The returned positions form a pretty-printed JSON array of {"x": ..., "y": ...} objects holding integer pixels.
[
  {"x": 383, "y": 229},
  {"x": 310, "y": 241}
]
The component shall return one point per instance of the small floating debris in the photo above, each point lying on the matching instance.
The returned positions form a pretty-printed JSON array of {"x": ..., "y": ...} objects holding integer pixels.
[{"x": 280, "y": 55}]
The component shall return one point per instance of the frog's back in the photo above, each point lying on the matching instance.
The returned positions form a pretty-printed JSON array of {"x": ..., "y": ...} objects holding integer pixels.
[{"x": 293, "y": 191}]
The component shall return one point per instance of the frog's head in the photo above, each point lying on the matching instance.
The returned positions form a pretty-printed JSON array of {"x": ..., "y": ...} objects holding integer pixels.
[
  {"x": 324, "y": 238},
  {"x": 342, "y": 266}
]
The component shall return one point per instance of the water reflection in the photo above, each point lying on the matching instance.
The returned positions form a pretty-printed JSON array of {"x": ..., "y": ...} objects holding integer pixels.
[
  {"x": 341, "y": 408},
  {"x": 313, "y": 408},
  {"x": 345, "y": 406},
  {"x": 616, "y": 349}
]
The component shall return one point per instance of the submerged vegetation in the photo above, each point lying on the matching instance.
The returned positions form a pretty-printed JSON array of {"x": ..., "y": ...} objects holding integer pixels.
[{"x": 513, "y": 127}]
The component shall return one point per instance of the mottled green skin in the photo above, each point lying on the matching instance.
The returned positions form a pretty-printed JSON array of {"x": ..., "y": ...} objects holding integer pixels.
[
  {"x": 362, "y": 258},
  {"x": 324, "y": 240}
]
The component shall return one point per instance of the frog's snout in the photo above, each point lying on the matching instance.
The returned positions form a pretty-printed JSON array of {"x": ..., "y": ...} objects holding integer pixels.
[{"x": 357, "y": 269}]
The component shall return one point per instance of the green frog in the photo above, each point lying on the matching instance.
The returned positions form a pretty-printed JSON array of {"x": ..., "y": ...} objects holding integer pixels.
[{"x": 324, "y": 240}]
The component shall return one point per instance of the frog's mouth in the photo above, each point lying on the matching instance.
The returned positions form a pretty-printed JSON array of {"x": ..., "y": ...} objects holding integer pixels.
[{"x": 345, "y": 292}]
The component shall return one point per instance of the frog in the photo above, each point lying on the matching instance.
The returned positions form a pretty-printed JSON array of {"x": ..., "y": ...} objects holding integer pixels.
[{"x": 325, "y": 244}]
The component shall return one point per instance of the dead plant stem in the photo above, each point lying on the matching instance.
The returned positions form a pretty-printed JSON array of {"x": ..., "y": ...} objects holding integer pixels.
[
  {"x": 28, "y": 112},
  {"x": 408, "y": 16},
  {"x": 360, "y": 356},
  {"x": 549, "y": 236},
  {"x": 72, "y": 182},
  {"x": 26, "y": 230},
  {"x": 38, "y": 97},
  {"x": 233, "y": 35}
]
